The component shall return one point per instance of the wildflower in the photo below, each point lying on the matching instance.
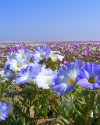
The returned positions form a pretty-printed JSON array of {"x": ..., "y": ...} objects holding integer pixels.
[
  {"x": 66, "y": 62},
  {"x": 45, "y": 78},
  {"x": 24, "y": 54},
  {"x": 55, "y": 55},
  {"x": 41, "y": 52},
  {"x": 4, "y": 111},
  {"x": 16, "y": 64},
  {"x": 89, "y": 77},
  {"x": 28, "y": 74},
  {"x": 66, "y": 78},
  {"x": 18, "y": 60},
  {"x": 9, "y": 73}
]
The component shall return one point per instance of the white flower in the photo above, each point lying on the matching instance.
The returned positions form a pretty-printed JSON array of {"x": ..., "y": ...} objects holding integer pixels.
[
  {"x": 55, "y": 55},
  {"x": 24, "y": 54},
  {"x": 16, "y": 64},
  {"x": 45, "y": 78}
]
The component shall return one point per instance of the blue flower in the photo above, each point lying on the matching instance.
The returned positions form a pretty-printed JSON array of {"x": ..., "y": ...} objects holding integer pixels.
[
  {"x": 8, "y": 73},
  {"x": 89, "y": 77},
  {"x": 41, "y": 52},
  {"x": 28, "y": 74},
  {"x": 24, "y": 54},
  {"x": 18, "y": 60},
  {"x": 16, "y": 64},
  {"x": 4, "y": 111},
  {"x": 66, "y": 79}
]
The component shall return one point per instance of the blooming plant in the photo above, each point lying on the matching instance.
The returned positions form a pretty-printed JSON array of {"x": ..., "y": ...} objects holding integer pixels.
[
  {"x": 4, "y": 113},
  {"x": 41, "y": 84}
]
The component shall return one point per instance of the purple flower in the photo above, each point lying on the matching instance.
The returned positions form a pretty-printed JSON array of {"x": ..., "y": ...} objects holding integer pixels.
[
  {"x": 89, "y": 77},
  {"x": 4, "y": 111},
  {"x": 41, "y": 52},
  {"x": 66, "y": 79}
]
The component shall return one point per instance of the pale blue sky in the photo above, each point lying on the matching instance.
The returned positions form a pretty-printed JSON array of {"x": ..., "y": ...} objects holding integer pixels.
[{"x": 49, "y": 20}]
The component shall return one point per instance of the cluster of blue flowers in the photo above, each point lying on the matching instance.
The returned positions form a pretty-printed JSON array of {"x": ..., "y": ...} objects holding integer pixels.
[
  {"x": 62, "y": 80},
  {"x": 86, "y": 75},
  {"x": 24, "y": 67}
]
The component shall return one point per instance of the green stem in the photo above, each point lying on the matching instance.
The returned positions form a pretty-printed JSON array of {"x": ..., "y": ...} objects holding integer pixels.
[{"x": 78, "y": 113}]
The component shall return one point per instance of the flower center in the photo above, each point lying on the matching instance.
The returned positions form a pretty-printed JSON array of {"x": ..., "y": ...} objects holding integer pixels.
[
  {"x": 48, "y": 82},
  {"x": 19, "y": 66},
  {"x": 23, "y": 56},
  {"x": 92, "y": 80},
  {"x": 71, "y": 81},
  {"x": 42, "y": 54}
]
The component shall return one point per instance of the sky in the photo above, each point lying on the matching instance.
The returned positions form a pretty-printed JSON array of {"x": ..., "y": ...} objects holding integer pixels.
[{"x": 49, "y": 20}]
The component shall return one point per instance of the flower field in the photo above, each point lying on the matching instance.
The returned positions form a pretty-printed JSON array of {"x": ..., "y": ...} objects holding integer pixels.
[{"x": 50, "y": 83}]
